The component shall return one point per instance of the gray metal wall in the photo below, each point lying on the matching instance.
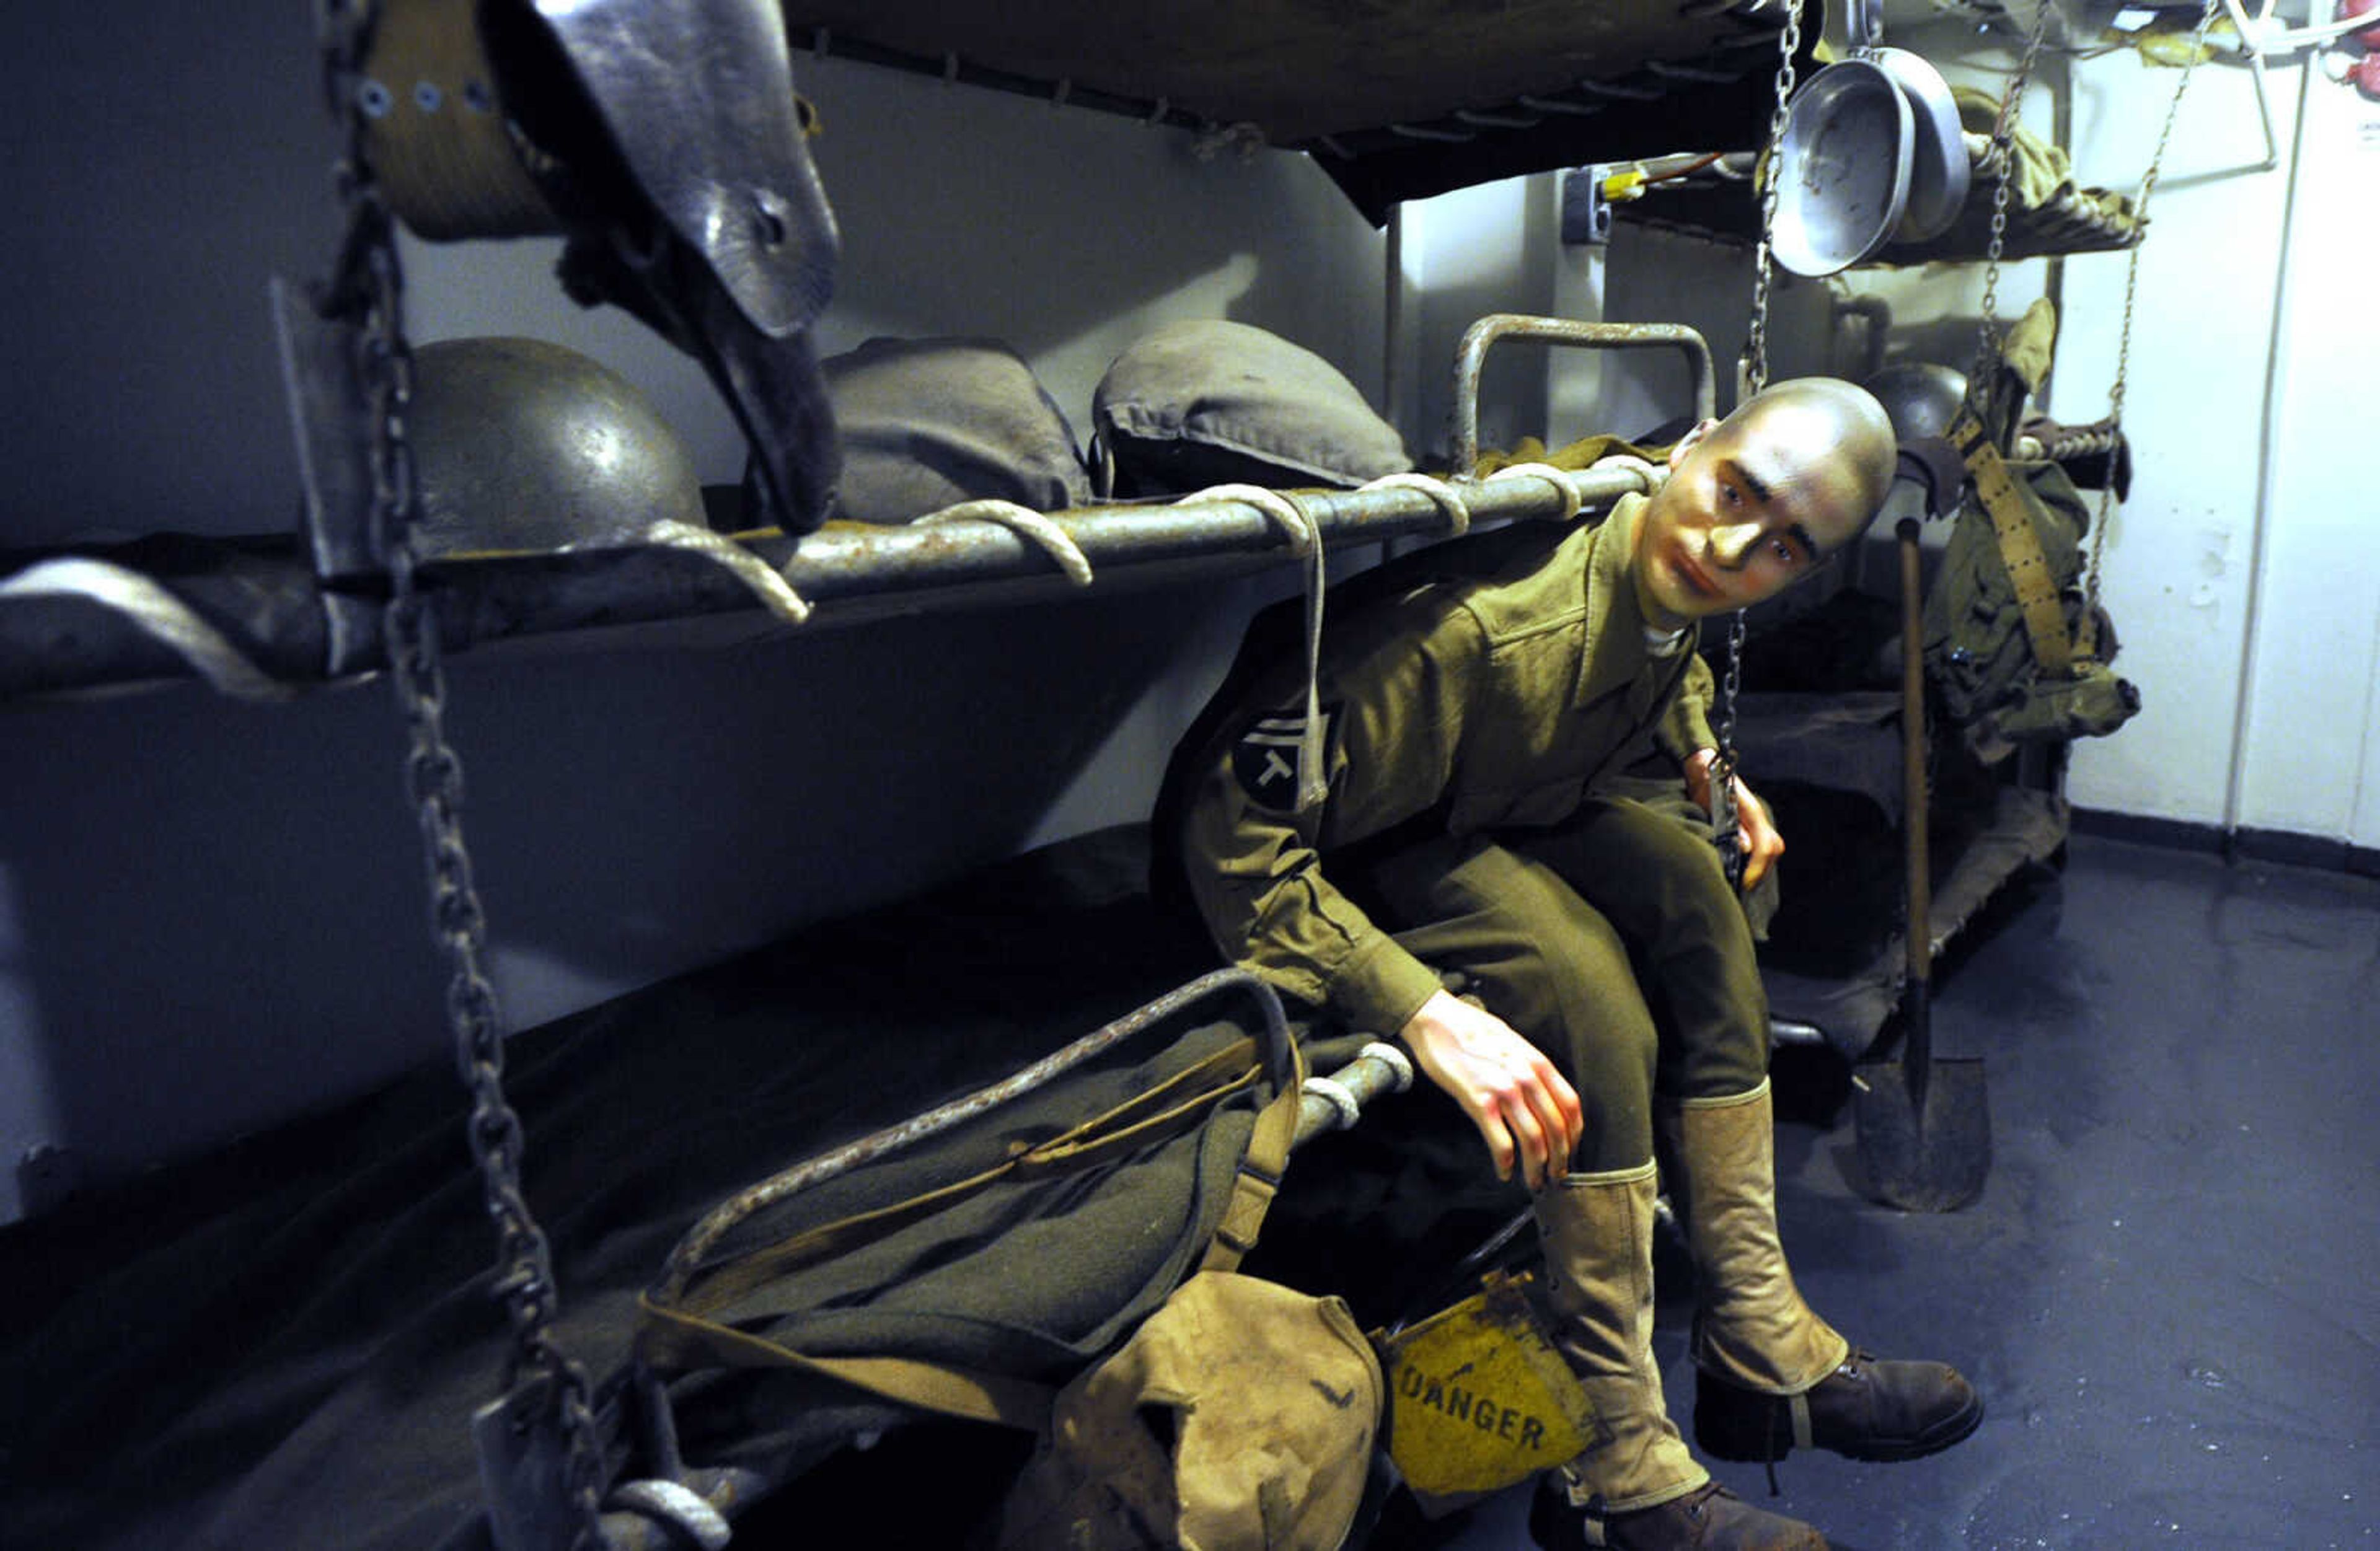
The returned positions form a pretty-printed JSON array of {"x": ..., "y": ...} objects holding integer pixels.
[{"x": 212, "y": 915}]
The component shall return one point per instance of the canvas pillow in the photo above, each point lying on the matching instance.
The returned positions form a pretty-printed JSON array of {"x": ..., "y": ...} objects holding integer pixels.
[
  {"x": 928, "y": 423},
  {"x": 1210, "y": 402}
]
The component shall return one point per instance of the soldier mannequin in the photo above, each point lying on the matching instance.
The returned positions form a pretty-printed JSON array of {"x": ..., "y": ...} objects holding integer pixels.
[{"x": 1495, "y": 710}]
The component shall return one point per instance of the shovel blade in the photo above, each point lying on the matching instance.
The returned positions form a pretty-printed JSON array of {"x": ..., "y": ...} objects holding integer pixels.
[{"x": 1930, "y": 1155}]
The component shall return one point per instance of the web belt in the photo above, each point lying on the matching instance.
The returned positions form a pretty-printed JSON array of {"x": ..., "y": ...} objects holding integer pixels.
[{"x": 2019, "y": 545}]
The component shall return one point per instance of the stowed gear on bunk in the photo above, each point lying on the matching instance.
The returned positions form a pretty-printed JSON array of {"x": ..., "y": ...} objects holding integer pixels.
[
  {"x": 1073, "y": 1279},
  {"x": 2050, "y": 687},
  {"x": 2020, "y": 652},
  {"x": 2014, "y": 645},
  {"x": 668, "y": 145}
]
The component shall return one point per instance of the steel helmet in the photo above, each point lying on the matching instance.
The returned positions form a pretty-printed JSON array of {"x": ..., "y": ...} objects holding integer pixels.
[{"x": 522, "y": 444}]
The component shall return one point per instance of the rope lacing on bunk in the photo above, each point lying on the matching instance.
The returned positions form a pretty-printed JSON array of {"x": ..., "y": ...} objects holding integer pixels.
[
  {"x": 777, "y": 595},
  {"x": 1445, "y": 497},
  {"x": 212, "y": 657},
  {"x": 1648, "y": 479},
  {"x": 1293, "y": 520},
  {"x": 1563, "y": 486},
  {"x": 1449, "y": 499},
  {"x": 1305, "y": 539},
  {"x": 1304, "y": 535},
  {"x": 147, "y": 605},
  {"x": 158, "y": 614},
  {"x": 766, "y": 583},
  {"x": 1650, "y": 476},
  {"x": 1036, "y": 527}
]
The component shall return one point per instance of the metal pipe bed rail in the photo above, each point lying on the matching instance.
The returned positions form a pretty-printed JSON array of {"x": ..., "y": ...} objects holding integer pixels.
[
  {"x": 252, "y": 615},
  {"x": 63, "y": 632}
]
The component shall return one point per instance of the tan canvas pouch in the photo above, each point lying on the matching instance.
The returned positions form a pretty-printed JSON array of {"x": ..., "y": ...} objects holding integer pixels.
[{"x": 1242, "y": 1414}]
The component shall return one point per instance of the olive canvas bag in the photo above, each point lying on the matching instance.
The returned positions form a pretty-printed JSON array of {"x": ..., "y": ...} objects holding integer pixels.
[{"x": 1069, "y": 1277}]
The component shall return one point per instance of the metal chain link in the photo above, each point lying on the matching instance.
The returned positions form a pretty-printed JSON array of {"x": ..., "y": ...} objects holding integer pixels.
[
  {"x": 1755, "y": 352},
  {"x": 1756, "y": 348},
  {"x": 2088, "y": 643},
  {"x": 1988, "y": 333},
  {"x": 1722, "y": 771},
  {"x": 369, "y": 288}
]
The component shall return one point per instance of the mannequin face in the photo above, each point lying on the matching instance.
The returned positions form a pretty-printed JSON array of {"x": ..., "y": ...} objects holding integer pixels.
[{"x": 1752, "y": 505}]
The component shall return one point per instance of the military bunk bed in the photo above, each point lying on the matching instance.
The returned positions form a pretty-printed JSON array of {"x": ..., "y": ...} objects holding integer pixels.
[{"x": 307, "y": 1343}]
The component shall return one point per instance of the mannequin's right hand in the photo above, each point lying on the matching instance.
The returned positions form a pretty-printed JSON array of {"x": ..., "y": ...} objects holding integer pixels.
[{"x": 1524, "y": 1108}]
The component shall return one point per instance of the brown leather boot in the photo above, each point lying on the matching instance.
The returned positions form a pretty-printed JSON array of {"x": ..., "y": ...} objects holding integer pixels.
[
  {"x": 1703, "y": 1520},
  {"x": 1864, "y": 1409},
  {"x": 1770, "y": 1375}
]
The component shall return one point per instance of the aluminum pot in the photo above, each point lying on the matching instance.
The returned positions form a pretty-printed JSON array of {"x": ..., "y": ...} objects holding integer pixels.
[
  {"x": 1842, "y": 168},
  {"x": 1937, "y": 147}
]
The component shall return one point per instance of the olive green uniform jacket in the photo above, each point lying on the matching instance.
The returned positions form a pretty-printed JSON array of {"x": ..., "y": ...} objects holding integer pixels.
[{"x": 1488, "y": 683}]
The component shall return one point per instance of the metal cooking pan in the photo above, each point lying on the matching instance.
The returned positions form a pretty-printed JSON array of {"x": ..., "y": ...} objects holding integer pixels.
[
  {"x": 1937, "y": 149},
  {"x": 1842, "y": 168},
  {"x": 1873, "y": 152}
]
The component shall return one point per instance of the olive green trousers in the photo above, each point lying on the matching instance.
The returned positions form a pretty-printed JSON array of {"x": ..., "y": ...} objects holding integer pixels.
[{"x": 1612, "y": 941}]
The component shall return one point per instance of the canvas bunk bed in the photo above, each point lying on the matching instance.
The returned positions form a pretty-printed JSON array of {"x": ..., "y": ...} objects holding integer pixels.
[
  {"x": 234, "y": 1425},
  {"x": 1400, "y": 104}
]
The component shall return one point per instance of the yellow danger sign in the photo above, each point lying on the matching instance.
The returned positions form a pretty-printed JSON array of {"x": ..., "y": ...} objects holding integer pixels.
[{"x": 1479, "y": 1400}]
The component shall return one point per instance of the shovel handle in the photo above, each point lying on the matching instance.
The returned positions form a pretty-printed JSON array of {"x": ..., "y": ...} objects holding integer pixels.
[{"x": 1918, "y": 929}]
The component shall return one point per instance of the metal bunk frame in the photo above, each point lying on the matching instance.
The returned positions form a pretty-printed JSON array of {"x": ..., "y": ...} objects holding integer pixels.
[
  {"x": 2074, "y": 222},
  {"x": 1523, "y": 91},
  {"x": 255, "y": 618},
  {"x": 100, "y": 619},
  {"x": 64, "y": 629}
]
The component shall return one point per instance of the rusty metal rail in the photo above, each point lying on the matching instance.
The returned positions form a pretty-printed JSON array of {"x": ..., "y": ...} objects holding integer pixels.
[
  {"x": 260, "y": 596},
  {"x": 253, "y": 616}
]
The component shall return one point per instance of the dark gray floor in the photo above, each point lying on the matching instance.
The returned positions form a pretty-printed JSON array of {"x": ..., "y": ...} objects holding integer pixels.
[{"x": 2170, "y": 1292}]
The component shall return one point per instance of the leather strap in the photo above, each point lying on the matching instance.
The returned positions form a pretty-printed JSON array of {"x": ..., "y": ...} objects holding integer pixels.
[
  {"x": 2020, "y": 546},
  {"x": 1798, "y": 1407},
  {"x": 1257, "y": 1180},
  {"x": 1207, "y": 1083},
  {"x": 678, "y": 1339},
  {"x": 441, "y": 146}
]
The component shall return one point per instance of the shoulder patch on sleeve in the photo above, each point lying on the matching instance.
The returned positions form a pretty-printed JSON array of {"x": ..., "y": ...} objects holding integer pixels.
[{"x": 1268, "y": 758}]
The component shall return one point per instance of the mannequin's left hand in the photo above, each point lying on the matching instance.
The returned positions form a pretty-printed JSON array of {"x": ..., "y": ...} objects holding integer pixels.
[{"x": 1754, "y": 830}]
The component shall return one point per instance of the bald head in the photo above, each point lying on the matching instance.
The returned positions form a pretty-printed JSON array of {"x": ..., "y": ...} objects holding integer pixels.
[
  {"x": 1754, "y": 502},
  {"x": 1814, "y": 423}
]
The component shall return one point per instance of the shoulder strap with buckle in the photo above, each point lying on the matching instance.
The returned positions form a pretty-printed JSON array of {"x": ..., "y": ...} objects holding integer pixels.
[{"x": 2020, "y": 546}]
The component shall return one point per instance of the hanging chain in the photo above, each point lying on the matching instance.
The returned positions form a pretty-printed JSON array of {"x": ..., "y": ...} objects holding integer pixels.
[
  {"x": 1756, "y": 348},
  {"x": 1988, "y": 335},
  {"x": 1756, "y": 377},
  {"x": 2088, "y": 643},
  {"x": 369, "y": 287},
  {"x": 1722, "y": 770}
]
